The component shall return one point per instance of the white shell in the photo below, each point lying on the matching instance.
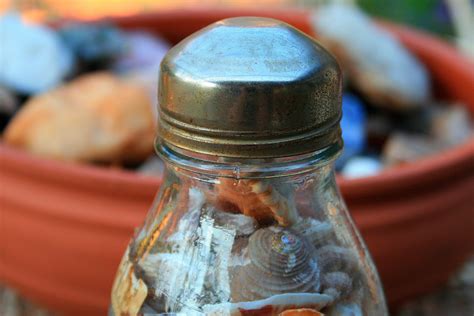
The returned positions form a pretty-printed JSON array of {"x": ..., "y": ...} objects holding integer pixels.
[
  {"x": 242, "y": 225},
  {"x": 278, "y": 303}
]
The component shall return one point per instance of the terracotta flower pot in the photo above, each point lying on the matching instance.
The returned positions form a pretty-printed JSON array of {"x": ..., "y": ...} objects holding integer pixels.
[{"x": 64, "y": 227}]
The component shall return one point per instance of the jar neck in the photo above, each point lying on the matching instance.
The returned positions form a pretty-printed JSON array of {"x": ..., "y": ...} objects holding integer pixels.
[{"x": 239, "y": 168}]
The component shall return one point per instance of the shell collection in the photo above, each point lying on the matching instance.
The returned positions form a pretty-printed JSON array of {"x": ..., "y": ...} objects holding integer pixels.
[{"x": 240, "y": 249}]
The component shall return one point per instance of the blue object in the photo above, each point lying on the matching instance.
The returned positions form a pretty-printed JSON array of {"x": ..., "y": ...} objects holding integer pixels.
[{"x": 353, "y": 122}]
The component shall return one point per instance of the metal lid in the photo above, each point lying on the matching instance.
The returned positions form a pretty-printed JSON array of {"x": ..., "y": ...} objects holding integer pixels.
[{"x": 249, "y": 87}]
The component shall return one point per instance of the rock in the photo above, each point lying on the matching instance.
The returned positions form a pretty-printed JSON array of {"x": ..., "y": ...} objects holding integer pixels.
[
  {"x": 353, "y": 123},
  {"x": 451, "y": 125},
  {"x": 95, "y": 118},
  {"x": 361, "y": 166},
  {"x": 376, "y": 63},
  {"x": 402, "y": 148},
  {"x": 8, "y": 106},
  {"x": 95, "y": 46},
  {"x": 142, "y": 51},
  {"x": 141, "y": 63},
  {"x": 8, "y": 101},
  {"x": 379, "y": 127},
  {"x": 153, "y": 166},
  {"x": 33, "y": 58}
]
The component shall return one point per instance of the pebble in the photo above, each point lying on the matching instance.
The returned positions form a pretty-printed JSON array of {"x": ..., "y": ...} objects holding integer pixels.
[
  {"x": 376, "y": 62},
  {"x": 8, "y": 101},
  {"x": 451, "y": 125},
  {"x": 8, "y": 106},
  {"x": 362, "y": 166},
  {"x": 142, "y": 51},
  {"x": 403, "y": 148},
  {"x": 33, "y": 58},
  {"x": 97, "y": 117},
  {"x": 95, "y": 46},
  {"x": 353, "y": 122},
  {"x": 153, "y": 166},
  {"x": 141, "y": 63}
]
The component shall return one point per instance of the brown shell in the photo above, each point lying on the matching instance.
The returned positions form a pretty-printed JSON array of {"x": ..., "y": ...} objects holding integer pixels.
[
  {"x": 281, "y": 261},
  {"x": 256, "y": 199}
]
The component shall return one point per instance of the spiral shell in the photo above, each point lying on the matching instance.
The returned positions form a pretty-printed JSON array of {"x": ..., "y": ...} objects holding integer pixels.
[
  {"x": 336, "y": 284},
  {"x": 334, "y": 258},
  {"x": 281, "y": 261}
]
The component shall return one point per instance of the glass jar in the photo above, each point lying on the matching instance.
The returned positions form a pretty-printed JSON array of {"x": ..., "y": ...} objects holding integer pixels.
[{"x": 249, "y": 219}]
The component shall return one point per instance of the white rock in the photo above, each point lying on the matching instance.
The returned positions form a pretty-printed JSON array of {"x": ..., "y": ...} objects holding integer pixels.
[
  {"x": 358, "y": 167},
  {"x": 32, "y": 58},
  {"x": 378, "y": 63}
]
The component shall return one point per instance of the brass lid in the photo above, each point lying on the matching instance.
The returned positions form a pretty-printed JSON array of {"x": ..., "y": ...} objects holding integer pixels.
[{"x": 249, "y": 87}]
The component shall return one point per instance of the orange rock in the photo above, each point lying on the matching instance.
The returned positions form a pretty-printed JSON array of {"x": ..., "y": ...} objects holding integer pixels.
[{"x": 97, "y": 117}]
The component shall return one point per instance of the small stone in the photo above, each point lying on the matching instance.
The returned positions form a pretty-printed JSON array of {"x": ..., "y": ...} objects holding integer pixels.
[
  {"x": 8, "y": 106},
  {"x": 376, "y": 62},
  {"x": 379, "y": 127},
  {"x": 451, "y": 125},
  {"x": 141, "y": 62},
  {"x": 353, "y": 123},
  {"x": 33, "y": 58},
  {"x": 8, "y": 101},
  {"x": 142, "y": 51},
  {"x": 359, "y": 167},
  {"x": 402, "y": 148},
  {"x": 95, "y": 46},
  {"x": 153, "y": 166},
  {"x": 95, "y": 118}
]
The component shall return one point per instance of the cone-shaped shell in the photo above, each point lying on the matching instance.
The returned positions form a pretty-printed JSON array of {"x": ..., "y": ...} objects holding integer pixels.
[{"x": 281, "y": 261}]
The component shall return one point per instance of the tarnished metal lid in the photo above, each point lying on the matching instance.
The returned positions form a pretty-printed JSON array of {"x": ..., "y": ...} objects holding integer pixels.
[{"x": 249, "y": 87}]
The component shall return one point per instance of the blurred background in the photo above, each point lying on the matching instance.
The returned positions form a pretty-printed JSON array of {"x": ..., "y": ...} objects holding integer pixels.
[{"x": 401, "y": 108}]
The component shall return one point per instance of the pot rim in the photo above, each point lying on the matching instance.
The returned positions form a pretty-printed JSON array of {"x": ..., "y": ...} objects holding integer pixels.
[{"x": 457, "y": 159}]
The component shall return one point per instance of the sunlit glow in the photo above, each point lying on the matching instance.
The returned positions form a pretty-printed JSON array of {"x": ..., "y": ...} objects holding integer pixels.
[{"x": 92, "y": 9}]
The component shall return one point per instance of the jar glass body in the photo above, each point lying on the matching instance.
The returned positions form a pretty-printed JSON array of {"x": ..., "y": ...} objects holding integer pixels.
[{"x": 247, "y": 237}]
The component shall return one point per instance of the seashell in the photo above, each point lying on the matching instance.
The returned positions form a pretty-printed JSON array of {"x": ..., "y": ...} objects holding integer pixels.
[
  {"x": 336, "y": 284},
  {"x": 334, "y": 258},
  {"x": 316, "y": 231},
  {"x": 301, "y": 312},
  {"x": 281, "y": 261},
  {"x": 271, "y": 306},
  {"x": 259, "y": 200},
  {"x": 242, "y": 225},
  {"x": 128, "y": 291}
]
